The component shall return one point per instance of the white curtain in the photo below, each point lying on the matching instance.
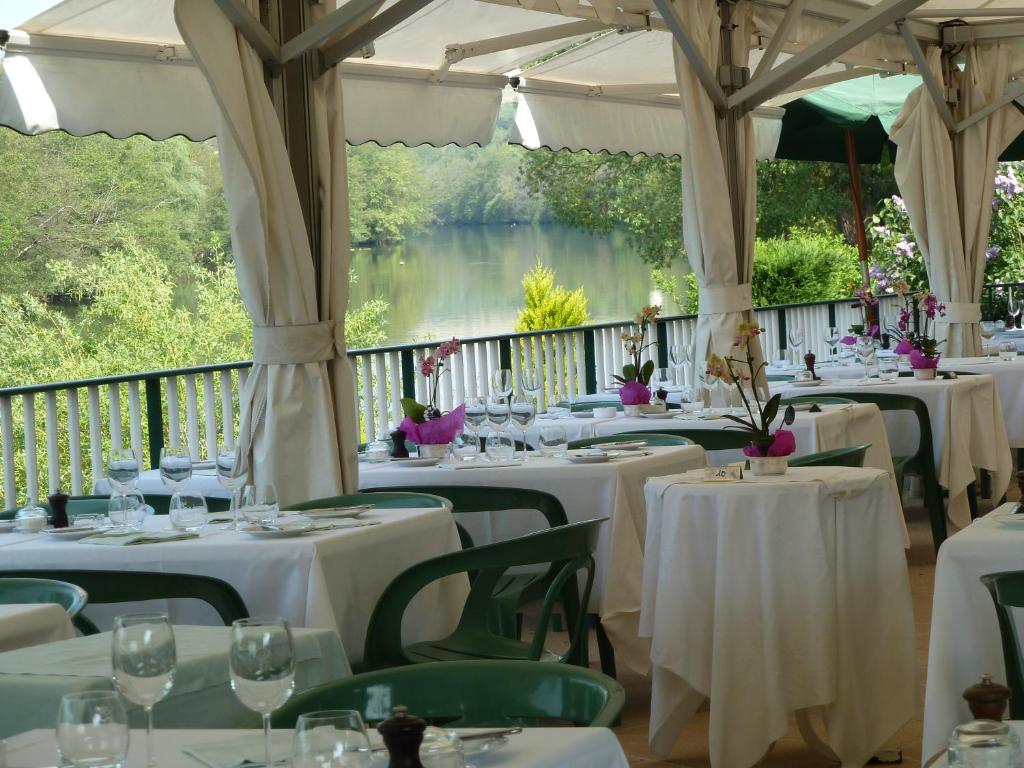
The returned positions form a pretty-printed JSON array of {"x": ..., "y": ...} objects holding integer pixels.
[
  {"x": 718, "y": 232},
  {"x": 947, "y": 184},
  {"x": 297, "y": 422}
]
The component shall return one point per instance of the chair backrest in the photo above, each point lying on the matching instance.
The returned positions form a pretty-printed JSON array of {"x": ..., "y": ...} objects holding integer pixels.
[
  {"x": 1007, "y": 591},
  {"x": 819, "y": 399},
  {"x": 571, "y": 546},
  {"x": 469, "y": 694},
  {"x": 891, "y": 402},
  {"x": 96, "y": 504},
  {"x": 136, "y": 586},
  {"x": 385, "y": 499},
  {"x": 712, "y": 439},
  {"x": 15, "y": 590},
  {"x": 852, "y": 456},
  {"x": 651, "y": 438}
]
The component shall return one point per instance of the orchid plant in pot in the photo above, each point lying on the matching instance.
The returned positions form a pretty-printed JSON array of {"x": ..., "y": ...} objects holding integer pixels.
[
  {"x": 865, "y": 301},
  {"x": 912, "y": 330},
  {"x": 637, "y": 375},
  {"x": 426, "y": 425},
  {"x": 767, "y": 451}
]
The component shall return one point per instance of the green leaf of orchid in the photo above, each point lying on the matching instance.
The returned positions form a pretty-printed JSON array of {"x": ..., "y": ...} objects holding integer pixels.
[{"x": 413, "y": 410}]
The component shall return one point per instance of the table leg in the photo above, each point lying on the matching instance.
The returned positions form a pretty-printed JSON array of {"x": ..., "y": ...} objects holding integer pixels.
[{"x": 810, "y": 736}]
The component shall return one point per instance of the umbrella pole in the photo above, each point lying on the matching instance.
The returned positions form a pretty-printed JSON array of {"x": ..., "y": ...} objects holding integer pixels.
[{"x": 858, "y": 218}]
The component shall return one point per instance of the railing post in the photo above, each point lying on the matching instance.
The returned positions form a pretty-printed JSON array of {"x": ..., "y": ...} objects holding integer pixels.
[
  {"x": 661, "y": 327},
  {"x": 831, "y": 315},
  {"x": 505, "y": 353},
  {"x": 590, "y": 360},
  {"x": 155, "y": 422},
  {"x": 783, "y": 336},
  {"x": 408, "y": 374}
]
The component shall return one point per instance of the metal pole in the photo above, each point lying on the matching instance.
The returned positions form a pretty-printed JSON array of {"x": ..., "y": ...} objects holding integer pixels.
[{"x": 858, "y": 218}]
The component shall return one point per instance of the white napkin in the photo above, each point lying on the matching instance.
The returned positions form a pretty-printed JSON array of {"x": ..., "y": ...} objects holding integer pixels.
[{"x": 243, "y": 750}]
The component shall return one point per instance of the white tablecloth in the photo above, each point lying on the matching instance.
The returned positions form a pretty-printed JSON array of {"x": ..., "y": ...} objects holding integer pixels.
[
  {"x": 533, "y": 748},
  {"x": 964, "y": 632},
  {"x": 25, "y": 625},
  {"x": 968, "y": 430},
  {"x": 329, "y": 580},
  {"x": 32, "y": 680},
  {"x": 614, "y": 490},
  {"x": 772, "y": 595}
]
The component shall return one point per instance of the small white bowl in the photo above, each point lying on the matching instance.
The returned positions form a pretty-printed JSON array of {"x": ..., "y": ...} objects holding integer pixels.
[{"x": 606, "y": 413}]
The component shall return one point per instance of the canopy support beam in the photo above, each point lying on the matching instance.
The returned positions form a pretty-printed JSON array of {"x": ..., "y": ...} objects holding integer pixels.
[
  {"x": 935, "y": 87},
  {"x": 771, "y": 53},
  {"x": 456, "y": 52},
  {"x": 268, "y": 49},
  {"x": 1014, "y": 91},
  {"x": 809, "y": 84},
  {"x": 820, "y": 53},
  {"x": 339, "y": 22},
  {"x": 689, "y": 49},
  {"x": 377, "y": 26}
]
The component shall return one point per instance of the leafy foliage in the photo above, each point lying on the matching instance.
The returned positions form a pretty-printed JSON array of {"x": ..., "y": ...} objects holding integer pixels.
[
  {"x": 387, "y": 194},
  {"x": 806, "y": 266},
  {"x": 548, "y": 305}
]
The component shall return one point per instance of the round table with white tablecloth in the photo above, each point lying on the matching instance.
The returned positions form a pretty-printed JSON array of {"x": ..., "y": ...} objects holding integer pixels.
[{"x": 768, "y": 596}]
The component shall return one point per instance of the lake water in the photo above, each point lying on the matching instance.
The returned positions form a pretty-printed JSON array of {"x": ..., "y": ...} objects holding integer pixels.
[{"x": 467, "y": 281}]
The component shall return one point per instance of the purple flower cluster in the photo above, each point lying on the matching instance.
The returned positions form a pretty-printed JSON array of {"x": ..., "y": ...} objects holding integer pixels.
[
  {"x": 904, "y": 321},
  {"x": 932, "y": 306},
  {"x": 992, "y": 253},
  {"x": 1007, "y": 182},
  {"x": 900, "y": 205}
]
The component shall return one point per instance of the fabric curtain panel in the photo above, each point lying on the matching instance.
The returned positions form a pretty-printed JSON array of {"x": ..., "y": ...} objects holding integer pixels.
[
  {"x": 718, "y": 232},
  {"x": 947, "y": 184},
  {"x": 297, "y": 417}
]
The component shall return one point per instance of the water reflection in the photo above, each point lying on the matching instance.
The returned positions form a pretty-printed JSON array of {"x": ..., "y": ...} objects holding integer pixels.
[{"x": 466, "y": 281}]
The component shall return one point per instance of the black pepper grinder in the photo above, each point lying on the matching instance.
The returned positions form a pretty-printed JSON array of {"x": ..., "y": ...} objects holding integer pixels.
[
  {"x": 809, "y": 360},
  {"x": 403, "y": 734},
  {"x": 398, "y": 450},
  {"x": 987, "y": 700},
  {"x": 59, "y": 506}
]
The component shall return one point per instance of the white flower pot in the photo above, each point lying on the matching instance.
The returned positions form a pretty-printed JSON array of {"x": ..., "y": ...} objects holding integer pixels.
[
  {"x": 769, "y": 465},
  {"x": 434, "y": 451},
  {"x": 631, "y": 410},
  {"x": 924, "y": 374}
]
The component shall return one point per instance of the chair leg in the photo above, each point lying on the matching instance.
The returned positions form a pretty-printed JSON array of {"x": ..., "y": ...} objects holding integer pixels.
[
  {"x": 605, "y": 651},
  {"x": 986, "y": 484},
  {"x": 972, "y": 499},
  {"x": 936, "y": 510}
]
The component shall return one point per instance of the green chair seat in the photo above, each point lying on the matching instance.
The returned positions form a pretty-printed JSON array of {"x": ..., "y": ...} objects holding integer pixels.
[
  {"x": 852, "y": 456},
  {"x": 651, "y": 438},
  {"x": 384, "y": 499},
  {"x": 1007, "y": 591},
  {"x": 470, "y": 694},
  {"x": 819, "y": 399},
  {"x": 22, "y": 590},
  {"x": 568, "y": 548}
]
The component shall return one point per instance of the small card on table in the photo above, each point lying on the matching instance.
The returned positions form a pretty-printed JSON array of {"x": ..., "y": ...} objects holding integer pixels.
[{"x": 730, "y": 472}]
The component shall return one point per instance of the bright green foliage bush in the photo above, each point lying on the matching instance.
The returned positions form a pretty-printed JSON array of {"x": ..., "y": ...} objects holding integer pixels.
[
  {"x": 548, "y": 305},
  {"x": 803, "y": 267}
]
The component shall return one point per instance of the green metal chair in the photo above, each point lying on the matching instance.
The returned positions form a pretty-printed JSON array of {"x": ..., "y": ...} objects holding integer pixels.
[
  {"x": 513, "y": 590},
  {"x": 571, "y": 547},
  {"x": 852, "y": 456},
  {"x": 589, "y": 406},
  {"x": 651, "y": 438},
  {"x": 28, "y": 590},
  {"x": 384, "y": 499},
  {"x": 819, "y": 399},
  {"x": 712, "y": 439},
  {"x": 921, "y": 462},
  {"x": 1007, "y": 591},
  {"x": 470, "y": 694},
  {"x": 137, "y": 586},
  {"x": 96, "y": 504}
]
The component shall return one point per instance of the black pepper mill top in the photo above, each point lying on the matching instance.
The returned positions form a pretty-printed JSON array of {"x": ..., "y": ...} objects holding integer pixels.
[
  {"x": 398, "y": 449},
  {"x": 59, "y": 505},
  {"x": 403, "y": 734}
]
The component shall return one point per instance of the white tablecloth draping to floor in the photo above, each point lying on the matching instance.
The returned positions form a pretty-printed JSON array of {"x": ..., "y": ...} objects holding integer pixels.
[
  {"x": 968, "y": 430},
  {"x": 964, "y": 635},
  {"x": 25, "y": 625},
  {"x": 769, "y": 595},
  {"x": 329, "y": 580},
  {"x": 533, "y": 748},
  {"x": 32, "y": 680},
  {"x": 614, "y": 490}
]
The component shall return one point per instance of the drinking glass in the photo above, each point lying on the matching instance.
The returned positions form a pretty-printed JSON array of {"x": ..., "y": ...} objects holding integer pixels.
[
  {"x": 500, "y": 446},
  {"x": 983, "y": 744},
  {"x": 175, "y": 467},
  {"x": 466, "y": 446},
  {"x": 796, "y": 341},
  {"x": 188, "y": 511},
  {"x": 501, "y": 382},
  {"x": 476, "y": 413},
  {"x": 1013, "y": 307},
  {"x": 31, "y": 517},
  {"x": 832, "y": 338},
  {"x": 144, "y": 659},
  {"x": 553, "y": 441},
  {"x": 92, "y": 730},
  {"x": 662, "y": 379},
  {"x": 127, "y": 511},
  {"x": 441, "y": 749},
  {"x": 531, "y": 381},
  {"x": 122, "y": 468},
  {"x": 231, "y": 476},
  {"x": 678, "y": 357},
  {"x": 865, "y": 348},
  {"x": 330, "y": 739},
  {"x": 888, "y": 369},
  {"x": 523, "y": 413},
  {"x": 498, "y": 412},
  {"x": 1000, "y": 326},
  {"x": 262, "y": 665},
  {"x": 259, "y": 504},
  {"x": 1008, "y": 351}
]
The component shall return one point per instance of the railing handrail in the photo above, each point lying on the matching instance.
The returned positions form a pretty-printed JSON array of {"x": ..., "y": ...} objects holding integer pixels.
[{"x": 35, "y": 389}]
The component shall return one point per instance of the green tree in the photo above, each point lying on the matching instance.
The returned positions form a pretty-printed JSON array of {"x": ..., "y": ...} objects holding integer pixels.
[
  {"x": 387, "y": 193},
  {"x": 548, "y": 305}
]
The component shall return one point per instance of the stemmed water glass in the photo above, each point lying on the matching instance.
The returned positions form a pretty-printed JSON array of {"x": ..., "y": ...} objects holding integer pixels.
[
  {"x": 144, "y": 659},
  {"x": 262, "y": 662},
  {"x": 476, "y": 414},
  {"x": 92, "y": 729},
  {"x": 532, "y": 383},
  {"x": 661, "y": 379},
  {"x": 988, "y": 332},
  {"x": 497, "y": 413},
  {"x": 175, "y": 467},
  {"x": 330, "y": 739},
  {"x": 502, "y": 382},
  {"x": 123, "y": 468},
  {"x": 866, "y": 352},
  {"x": 678, "y": 357},
  {"x": 1013, "y": 307},
  {"x": 796, "y": 341},
  {"x": 832, "y": 338},
  {"x": 523, "y": 412},
  {"x": 231, "y": 476}
]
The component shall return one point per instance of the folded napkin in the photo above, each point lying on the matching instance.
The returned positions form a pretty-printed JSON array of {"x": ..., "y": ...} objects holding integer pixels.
[
  {"x": 329, "y": 512},
  {"x": 132, "y": 538},
  {"x": 481, "y": 465},
  {"x": 242, "y": 750},
  {"x": 336, "y": 525}
]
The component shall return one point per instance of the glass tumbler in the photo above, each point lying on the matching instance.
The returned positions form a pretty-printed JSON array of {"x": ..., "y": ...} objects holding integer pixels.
[{"x": 984, "y": 744}]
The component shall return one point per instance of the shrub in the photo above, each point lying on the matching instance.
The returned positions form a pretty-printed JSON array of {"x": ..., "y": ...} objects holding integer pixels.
[
  {"x": 548, "y": 305},
  {"x": 803, "y": 267}
]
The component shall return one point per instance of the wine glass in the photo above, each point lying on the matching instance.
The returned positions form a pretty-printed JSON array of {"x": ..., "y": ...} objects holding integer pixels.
[
  {"x": 262, "y": 663},
  {"x": 259, "y": 504},
  {"x": 523, "y": 412},
  {"x": 796, "y": 341},
  {"x": 476, "y": 413},
  {"x": 662, "y": 379},
  {"x": 187, "y": 511},
  {"x": 988, "y": 332},
  {"x": 531, "y": 382},
  {"x": 123, "y": 468},
  {"x": 832, "y": 338},
  {"x": 175, "y": 467},
  {"x": 497, "y": 412},
  {"x": 330, "y": 739},
  {"x": 127, "y": 510},
  {"x": 865, "y": 348},
  {"x": 501, "y": 382},
  {"x": 92, "y": 730},
  {"x": 231, "y": 477},
  {"x": 1012, "y": 307},
  {"x": 144, "y": 659}
]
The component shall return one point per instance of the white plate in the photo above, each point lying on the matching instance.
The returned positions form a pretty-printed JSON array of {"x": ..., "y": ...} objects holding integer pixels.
[
  {"x": 872, "y": 382},
  {"x": 811, "y": 383},
  {"x": 583, "y": 414},
  {"x": 621, "y": 445},
  {"x": 337, "y": 513},
  {"x": 415, "y": 461},
  {"x": 72, "y": 534},
  {"x": 661, "y": 415},
  {"x": 588, "y": 457},
  {"x": 285, "y": 531}
]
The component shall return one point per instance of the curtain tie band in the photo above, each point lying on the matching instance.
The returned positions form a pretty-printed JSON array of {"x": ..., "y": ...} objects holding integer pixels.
[
  {"x": 295, "y": 344},
  {"x": 720, "y": 300}
]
